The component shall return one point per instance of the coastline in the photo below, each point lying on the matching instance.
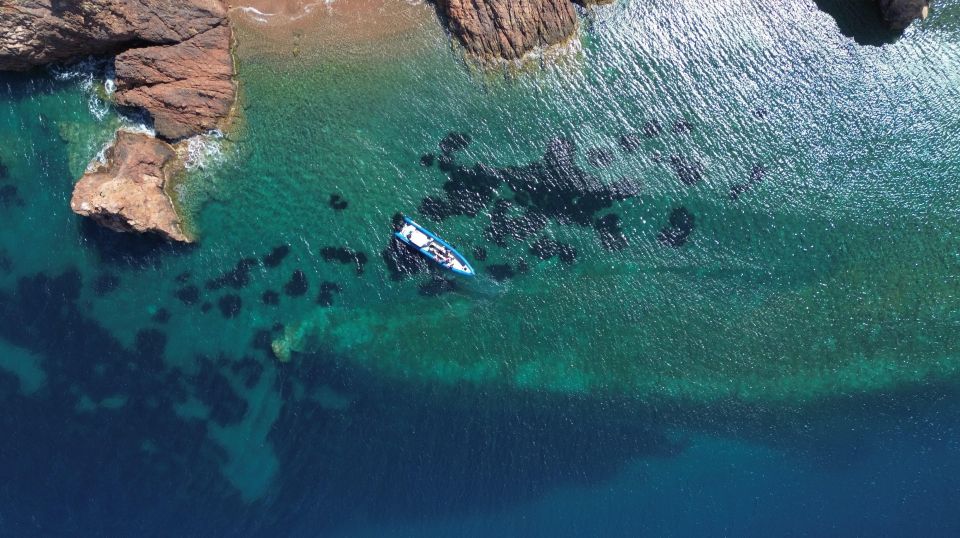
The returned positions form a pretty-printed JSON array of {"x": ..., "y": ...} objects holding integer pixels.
[{"x": 296, "y": 30}]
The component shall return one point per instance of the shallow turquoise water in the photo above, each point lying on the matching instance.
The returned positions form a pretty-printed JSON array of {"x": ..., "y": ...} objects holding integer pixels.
[{"x": 821, "y": 301}]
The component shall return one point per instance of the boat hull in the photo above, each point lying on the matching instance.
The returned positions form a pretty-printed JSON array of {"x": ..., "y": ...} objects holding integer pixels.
[{"x": 461, "y": 266}]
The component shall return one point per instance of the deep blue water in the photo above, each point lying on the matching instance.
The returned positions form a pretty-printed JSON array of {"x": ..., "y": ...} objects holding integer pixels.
[{"x": 134, "y": 404}]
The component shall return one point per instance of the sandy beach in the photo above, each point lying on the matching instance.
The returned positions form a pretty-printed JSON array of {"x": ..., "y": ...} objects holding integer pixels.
[{"x": 291, "y": 28}]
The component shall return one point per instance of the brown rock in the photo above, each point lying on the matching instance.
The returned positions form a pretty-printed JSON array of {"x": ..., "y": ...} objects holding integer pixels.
[
  {"x": 127, "y": 193},
  {"x": 38, "y": 32},
  {"x": 177, "y": 63},
  {"x": 900, "y": 13},
  {"x": 187, "y": 87},
  {"x": 508, "y": 29}
]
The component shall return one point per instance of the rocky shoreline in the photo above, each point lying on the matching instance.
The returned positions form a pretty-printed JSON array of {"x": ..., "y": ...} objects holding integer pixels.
[
  {"x": 173, "y": 60},
  {"x": 128, "y": 191}
]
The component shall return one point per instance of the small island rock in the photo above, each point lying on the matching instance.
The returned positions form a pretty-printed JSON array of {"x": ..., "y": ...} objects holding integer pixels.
[{"x": 127, "y": 193}]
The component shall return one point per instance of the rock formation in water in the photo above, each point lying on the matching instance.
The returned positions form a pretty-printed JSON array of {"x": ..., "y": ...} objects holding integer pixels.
[
  {"x": 900, "y": 13},
  {"x": 508, "y": 29},
  {"x": 187, "y": 87},
  {"x": 174, "y": 57},
  {"x": 128, "y": 191}
]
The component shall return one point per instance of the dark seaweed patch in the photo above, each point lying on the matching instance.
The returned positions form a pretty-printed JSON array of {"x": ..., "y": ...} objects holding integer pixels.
[
  {"x": 150, "y": 343},
  {"x": 4, "y": 171},
  {"x": 105, "y": 283},
  {"x": 324, "y": 298},
  {"x": 427, "y": 159},
  {"x": 10, "y": 196},
  {"x": 757, "y": 173},
  {"x": 503, "y": 227},
  {"x": 546, "y": 248},
  {"x": 630, "y": 142},
  {"x": 338, "y": 202},
  {"x": 523, "y": 266},
  {"x": 681, "y": 226},
  {"x": 327, "y": 289},
  {"x": 276, "y": 256},
  {"x": 760, "y": 113},
  {"x": 237, "y": 278},
  {"x": 214, "y": 390},
  {"x": 262, "y": 340},
  {"x": 454, "y": 141},
  {"x": 397, "y": 222},
  {"x": 652, "y": 129},
  {"x": 249, "y": 369},
  {"x": 162, "y": 315},
  {"x": 682, "y": 126},
  {"x": 689, "y": 171},
  {"x": 554, "y": 187},
  {"x": 500, "y": 271},
  {"x": 624, "y": 189},
  {"x": 206, "y": 307},
  {"x": 467, "y": 192},
  {"x": 600, "y": 157},
  {"x": 297, "y": 285},
  {"x": 230, "y": 305},
  {"x": 480, "y": 254},
  {"x": 434, "y": 208},
  {"x": 188, "y": 295},
  {"x": 446, "y": 163},
  {"x": 610, "y": 233},
  {"x": 344, "y": 255},
  {"x": 402, "y": 260},
  {"x": 326, "y": 285},
  {"x": 436, "y": 286},
  {"x": 270, "y": 297},
  {"x": 64, "y": 287},
  {"x": 183, "y": 277}
]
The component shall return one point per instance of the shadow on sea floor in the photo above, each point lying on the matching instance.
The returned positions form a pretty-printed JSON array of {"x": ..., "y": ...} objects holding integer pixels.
[
  {"x": 99, "y": 449},
  {"x": 129, "y": 250},
  {"x": 861, "y": 20}
]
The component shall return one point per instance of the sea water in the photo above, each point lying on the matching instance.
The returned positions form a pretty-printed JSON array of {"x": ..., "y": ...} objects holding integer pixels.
[{"x": 716, "y": 249}]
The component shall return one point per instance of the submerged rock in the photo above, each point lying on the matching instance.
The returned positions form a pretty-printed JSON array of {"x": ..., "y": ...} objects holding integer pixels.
[
  {"x": 338, "y": 202},
  {"x": 276, "y": 256},
  {"x": 127, "y": 193},
  {"x": 230, "y": 305},
  {"x": 681, "y": 226},
  {"x": 297, "y": 285}
]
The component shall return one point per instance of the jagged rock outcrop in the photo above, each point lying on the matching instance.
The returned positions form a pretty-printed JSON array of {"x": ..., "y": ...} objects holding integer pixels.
[
  {"x": 127, "y": 193},
  {"x": 176, "y": 63},
  {"x": 39, "y": 32},
  {"x": 188, "y": 87},
  {"x": 900, "y": 13},
  {"x": 509, "y": 29}
]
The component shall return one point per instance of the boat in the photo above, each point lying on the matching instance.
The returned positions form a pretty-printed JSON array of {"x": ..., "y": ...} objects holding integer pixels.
[{"x": 433, "y": 248}]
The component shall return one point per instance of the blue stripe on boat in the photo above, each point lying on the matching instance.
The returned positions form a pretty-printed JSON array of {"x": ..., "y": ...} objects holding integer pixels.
[{"x": 430, "y": 256}]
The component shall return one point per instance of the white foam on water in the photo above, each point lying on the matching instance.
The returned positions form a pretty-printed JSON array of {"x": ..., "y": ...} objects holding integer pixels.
[
  {"x": 256, "y": 14},
  {"x": 98, "y": 107},
  {"x": 204, "y": 150},
  {"x": 110, "y": 79},
  {"x": 138, "y": 127},
  {"x": 88, "y": 73},
  {"x": 307, "y": 9}
]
